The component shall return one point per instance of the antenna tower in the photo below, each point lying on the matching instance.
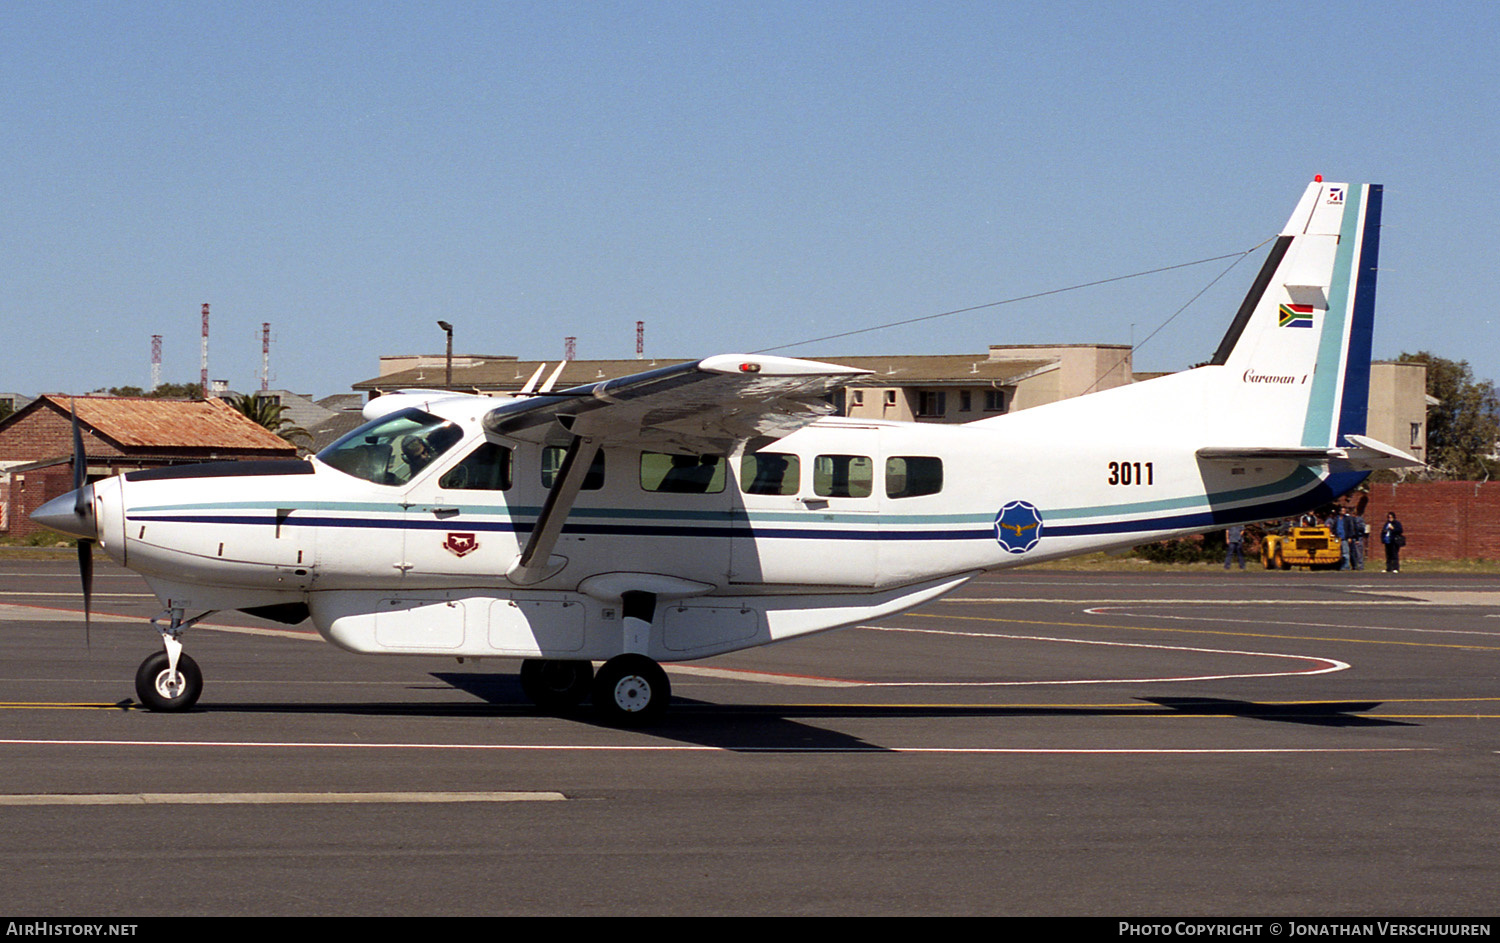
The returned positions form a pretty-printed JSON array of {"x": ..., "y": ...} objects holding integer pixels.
[
  {"x": 570, "y": 348},
  {"x": 640, "y": 340},
  {"x": 265, "y": 356},
  {"x": 155, "y": 361},
  {"x": 204, "y": 377}
]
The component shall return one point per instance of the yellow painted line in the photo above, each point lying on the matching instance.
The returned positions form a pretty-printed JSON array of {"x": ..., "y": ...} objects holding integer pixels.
[
  {"x": 1262, "y": 635},
  {"x": 271, "y": 798},
  {"x": 65, "y": 706}
]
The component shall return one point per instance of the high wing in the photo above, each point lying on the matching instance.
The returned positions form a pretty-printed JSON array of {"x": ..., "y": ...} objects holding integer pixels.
[
  {"x": 708, "y": 407},
  {"x": 705, "y": 407},
  {"x": 1366, "y": 454}
]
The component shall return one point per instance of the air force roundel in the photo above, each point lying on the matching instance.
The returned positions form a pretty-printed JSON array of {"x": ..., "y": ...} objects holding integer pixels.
[{"x": 1018, "y": 526}]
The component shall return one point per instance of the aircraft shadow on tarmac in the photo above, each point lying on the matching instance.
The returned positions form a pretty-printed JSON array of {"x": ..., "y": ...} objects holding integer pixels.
[
  {"x": 1321, "y": 714},
  {"x": 791, "y": 727}
]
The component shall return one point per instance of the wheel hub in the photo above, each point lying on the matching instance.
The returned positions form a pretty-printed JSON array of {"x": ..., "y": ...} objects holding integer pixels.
[
  {"x": 632, "y": 693},
  {"x": 169, "y": 684}
]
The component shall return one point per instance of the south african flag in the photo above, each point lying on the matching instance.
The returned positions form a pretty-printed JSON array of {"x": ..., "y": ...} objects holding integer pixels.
[{"x": 1296, "y": 316}]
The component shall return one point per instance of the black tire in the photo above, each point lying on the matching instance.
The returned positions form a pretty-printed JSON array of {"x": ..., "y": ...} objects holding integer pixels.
[
  {"x": 156, "y": 694},
  {"x": 631, "y": 690},
  {"x": 556, "y": 684}
]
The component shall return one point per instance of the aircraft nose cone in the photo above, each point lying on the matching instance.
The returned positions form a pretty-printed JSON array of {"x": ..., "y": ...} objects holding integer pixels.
[{"x": 61, "y": 514}]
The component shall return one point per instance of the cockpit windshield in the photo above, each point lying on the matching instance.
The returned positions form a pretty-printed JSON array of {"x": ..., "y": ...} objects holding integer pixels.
[{"x": 393, "y": 449}]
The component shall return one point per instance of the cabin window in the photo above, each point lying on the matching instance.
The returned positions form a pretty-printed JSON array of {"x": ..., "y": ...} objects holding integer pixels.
[
  {"x": 843, "y": 476},
  {"x": 487, "y": 468},
  {"x": 911, "y": 476},
  {"x": 552, "y": 459},
  {"x": 682, "y": 474},
  {"x": 770, "y": 473},
  {"x": 393, "y": 449}
]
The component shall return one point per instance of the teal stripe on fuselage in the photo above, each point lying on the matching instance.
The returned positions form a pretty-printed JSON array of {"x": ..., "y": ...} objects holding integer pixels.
[
  {"x": 1322, "y": 403},
  {"x": 1300, "y": 479}
]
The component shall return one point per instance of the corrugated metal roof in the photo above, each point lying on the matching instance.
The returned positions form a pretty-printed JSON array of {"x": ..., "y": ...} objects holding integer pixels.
[{"x": 138, "y": 422}]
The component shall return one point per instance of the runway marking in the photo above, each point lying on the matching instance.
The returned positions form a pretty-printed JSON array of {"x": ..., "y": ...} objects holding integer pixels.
[
  {"x": 1148, "y": 628},
  {"x": 1124, "y": 611},
  {"x": 271, "y": 798},
  {"x": 761, "y": 677},
  {"x": 17, "y": 613},
  {"x": 702, "y": 748},
  {"x": 1329, "y": 664},
  {"x": 42, "y": 706},
  {"x": 1209, "y": 601}
]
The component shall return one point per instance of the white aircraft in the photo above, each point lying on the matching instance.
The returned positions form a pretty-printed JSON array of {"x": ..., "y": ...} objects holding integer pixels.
[{"x": 714, "y": 506}]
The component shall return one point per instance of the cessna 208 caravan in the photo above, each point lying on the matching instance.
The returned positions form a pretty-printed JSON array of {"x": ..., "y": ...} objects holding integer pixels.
[{"x": 713, "y": 506}]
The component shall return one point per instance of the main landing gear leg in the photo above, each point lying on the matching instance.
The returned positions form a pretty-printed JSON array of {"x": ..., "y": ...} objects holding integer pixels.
[
  {"x": 170, "y": 680},
  {"x": 631, "y": 689}
]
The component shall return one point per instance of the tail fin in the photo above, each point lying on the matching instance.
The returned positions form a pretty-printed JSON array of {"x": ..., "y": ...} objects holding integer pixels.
[{"x": 1306, "y": 324}]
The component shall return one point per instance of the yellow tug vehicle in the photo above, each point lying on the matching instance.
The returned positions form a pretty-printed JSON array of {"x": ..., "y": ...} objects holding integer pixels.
[{"x": 1311, "y": 547}]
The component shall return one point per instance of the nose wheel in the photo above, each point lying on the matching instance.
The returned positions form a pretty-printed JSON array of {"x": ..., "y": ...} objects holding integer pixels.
[
  {"x": 631, "y": 690},
  {"x": 162, "y": 689}
]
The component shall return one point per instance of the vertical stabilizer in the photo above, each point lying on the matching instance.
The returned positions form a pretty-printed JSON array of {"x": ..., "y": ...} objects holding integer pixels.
[{"x": 1301, "y": 339}]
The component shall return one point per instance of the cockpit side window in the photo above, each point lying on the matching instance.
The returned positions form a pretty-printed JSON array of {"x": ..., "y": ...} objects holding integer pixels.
[
  {"x": 393, "y": 449},
  {"x": 487, "y": 468}
]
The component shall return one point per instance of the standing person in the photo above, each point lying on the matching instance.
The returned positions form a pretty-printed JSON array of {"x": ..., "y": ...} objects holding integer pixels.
[
  {"x": 1358, "y": 533},
  {"x": 1344, "y": 531},
  {"x": 1394, "y": 538},
  {"x": 1234, "y": 539}
]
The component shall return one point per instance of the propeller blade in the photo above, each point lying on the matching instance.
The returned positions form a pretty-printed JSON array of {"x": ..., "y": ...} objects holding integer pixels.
[
  {"x": 86, "y": 574},
  {"x": 81, "y": 509},
  {"x": 80, "y": 463}
]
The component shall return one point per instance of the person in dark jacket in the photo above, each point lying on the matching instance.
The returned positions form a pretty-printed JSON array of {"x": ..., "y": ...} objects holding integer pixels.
[{"x": 1394, "y": 538}]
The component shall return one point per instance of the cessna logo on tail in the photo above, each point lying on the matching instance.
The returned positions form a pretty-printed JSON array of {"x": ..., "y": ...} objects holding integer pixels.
[{"x": 1018, "y": 526}]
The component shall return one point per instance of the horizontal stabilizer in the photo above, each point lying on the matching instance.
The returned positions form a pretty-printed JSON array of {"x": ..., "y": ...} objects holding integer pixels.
[{"x": 1365, "y": 454}]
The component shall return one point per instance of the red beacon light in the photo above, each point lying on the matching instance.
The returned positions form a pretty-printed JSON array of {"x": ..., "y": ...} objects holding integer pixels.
[{"x": 1317, "y": 178}]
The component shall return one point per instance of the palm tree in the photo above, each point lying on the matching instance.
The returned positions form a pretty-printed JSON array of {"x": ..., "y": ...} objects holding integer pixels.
[{"x": 267, "y": 413}]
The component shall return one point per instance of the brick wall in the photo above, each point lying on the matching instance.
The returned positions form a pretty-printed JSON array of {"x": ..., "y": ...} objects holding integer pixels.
[
  {"x": 45, "y": 434},
  {"x": 1443, "y": 520}
]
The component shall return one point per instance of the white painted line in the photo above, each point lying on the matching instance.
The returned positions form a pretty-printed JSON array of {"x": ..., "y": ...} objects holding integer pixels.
[
  {"x": 1125, "y": 611},
  {"x": 274, "y": 798},
  {"x": 760, "y": 677},
  {"x": 1442, "y": 597},
  {"x": 695, "y": 748},
  {"x": 1328, "y": 664},
  {"x": 1209, "y": 601},
  {"x": 17, "y": 613}
]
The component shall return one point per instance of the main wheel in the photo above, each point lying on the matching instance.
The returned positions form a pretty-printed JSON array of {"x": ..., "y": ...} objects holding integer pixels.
[
  {"x": 161, "y": 690},
  {"x": 555, "y": 684},
  {"x": 631, "y": 690}
]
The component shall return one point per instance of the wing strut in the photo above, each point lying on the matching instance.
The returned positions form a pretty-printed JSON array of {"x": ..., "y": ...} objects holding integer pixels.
[{"x": 536, "y": 562}]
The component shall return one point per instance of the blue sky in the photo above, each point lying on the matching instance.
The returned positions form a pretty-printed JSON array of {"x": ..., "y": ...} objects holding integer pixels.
[{"x": 737, "y": 175}]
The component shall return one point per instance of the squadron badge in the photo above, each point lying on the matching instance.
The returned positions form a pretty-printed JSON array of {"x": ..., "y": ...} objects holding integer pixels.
[
  {"x": 460, "y": 544},
  {"x": 1018, "y": 526}
]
